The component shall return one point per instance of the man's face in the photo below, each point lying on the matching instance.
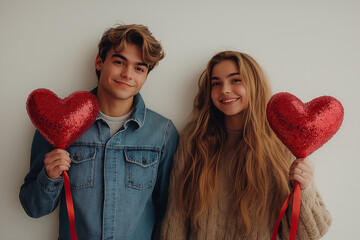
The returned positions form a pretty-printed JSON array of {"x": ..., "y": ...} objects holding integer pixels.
[{"x": 122, "y": 74}]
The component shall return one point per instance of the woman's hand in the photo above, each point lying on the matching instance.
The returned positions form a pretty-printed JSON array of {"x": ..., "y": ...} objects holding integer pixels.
[
  {"x": 56, "y": 161},
  {"x": 301, "y": 171}
]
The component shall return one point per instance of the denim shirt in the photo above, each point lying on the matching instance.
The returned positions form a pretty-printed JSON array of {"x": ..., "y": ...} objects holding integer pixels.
[{"x": 119, "y": 184}]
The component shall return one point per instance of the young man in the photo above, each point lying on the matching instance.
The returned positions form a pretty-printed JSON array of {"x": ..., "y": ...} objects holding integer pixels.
[{"x": 120, "y": 168}]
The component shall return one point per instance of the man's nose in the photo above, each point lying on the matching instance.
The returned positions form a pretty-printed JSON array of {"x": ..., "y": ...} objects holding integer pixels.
[{"x": 127, "y": 72}]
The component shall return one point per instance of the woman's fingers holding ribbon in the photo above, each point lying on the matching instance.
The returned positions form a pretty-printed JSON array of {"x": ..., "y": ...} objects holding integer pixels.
[
  {"x": 301, "y": 171},
  {"x": 56, "y": 162}
]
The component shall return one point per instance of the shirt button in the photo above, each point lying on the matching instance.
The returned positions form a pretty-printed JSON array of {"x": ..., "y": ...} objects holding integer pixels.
[
  {"x": 144, "y": 160},
  {"x": 75, "y": 157}
]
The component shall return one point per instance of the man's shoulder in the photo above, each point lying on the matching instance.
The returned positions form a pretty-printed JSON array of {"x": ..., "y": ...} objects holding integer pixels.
[
  {"x": 155, "y": 115},
  {"x": 157, "y": 120}
]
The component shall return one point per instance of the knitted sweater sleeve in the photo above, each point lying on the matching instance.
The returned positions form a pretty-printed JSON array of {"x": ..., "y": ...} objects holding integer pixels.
[
  {"x": 314, "y": 219},
  {"x": 175, "y": 224}
]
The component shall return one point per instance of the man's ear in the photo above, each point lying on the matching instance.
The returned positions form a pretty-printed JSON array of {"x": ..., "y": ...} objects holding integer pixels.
[{"x": 98, "y": 63}]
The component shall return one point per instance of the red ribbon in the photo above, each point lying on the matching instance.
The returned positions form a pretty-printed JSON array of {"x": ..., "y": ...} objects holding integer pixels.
[
  {"x": 295, "y": 213},
  {"x": 70, "y": 206}
]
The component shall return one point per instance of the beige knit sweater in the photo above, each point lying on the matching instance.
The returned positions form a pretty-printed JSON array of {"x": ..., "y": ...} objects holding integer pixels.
[{"x": 221, "y": 221}]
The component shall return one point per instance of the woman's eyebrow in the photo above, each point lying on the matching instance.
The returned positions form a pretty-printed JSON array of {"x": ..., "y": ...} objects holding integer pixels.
[{"x": 230, "y": 75}]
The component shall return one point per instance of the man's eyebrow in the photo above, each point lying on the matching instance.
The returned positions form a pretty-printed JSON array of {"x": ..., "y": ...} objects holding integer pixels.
[
  {"x": 125, "y": 59},
  {"x": 230, "y": 75}
]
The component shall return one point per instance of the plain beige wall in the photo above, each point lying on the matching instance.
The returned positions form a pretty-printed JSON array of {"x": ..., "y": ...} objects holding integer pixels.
[{"x": 308, "y": 48}]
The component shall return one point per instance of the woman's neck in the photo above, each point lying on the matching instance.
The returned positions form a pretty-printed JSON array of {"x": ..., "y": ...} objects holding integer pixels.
[{"x": 235, "y": 122}]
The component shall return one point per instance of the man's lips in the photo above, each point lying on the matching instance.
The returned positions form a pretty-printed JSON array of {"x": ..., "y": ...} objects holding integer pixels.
[{"x": 123, "y": 84}]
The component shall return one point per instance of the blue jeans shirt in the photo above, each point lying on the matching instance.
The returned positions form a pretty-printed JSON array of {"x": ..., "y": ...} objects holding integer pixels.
[{"x": 119, "y": 184}]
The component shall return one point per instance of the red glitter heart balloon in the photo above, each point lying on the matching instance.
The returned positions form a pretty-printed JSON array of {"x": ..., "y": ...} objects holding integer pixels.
[
  {"x": 304, "y": 128},
  {"x": 62, "y": 121}
]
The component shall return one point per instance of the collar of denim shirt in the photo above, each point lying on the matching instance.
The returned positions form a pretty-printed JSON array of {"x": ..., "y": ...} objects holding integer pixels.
[{"x": 137, "y": 117}]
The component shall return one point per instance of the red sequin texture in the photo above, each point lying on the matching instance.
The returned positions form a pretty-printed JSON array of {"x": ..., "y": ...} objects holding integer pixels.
[
  {"x": 303, "y": 128},
  {"x": 62, "y": 121}
]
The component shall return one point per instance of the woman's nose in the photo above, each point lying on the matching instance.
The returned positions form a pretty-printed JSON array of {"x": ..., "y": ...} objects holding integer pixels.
[{"x": 226, "y": 89}]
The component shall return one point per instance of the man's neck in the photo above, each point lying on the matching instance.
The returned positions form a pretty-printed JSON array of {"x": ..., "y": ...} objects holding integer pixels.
[{"x": 114, "y": 107}]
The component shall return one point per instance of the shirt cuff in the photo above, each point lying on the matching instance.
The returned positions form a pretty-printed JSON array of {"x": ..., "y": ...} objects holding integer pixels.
[{"x": 48, "y": 184}]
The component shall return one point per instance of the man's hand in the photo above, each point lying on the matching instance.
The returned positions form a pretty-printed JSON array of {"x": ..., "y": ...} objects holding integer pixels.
[{"x": 56, "y": 161}]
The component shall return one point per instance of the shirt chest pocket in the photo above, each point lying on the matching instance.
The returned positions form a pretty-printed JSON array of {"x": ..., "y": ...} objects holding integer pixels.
[
  {"x": 141, "y": 168},
  {"x": 81, "y": 172}
]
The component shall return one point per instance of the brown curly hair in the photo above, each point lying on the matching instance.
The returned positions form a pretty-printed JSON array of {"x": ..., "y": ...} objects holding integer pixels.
[{"x": 140, "y": 35}]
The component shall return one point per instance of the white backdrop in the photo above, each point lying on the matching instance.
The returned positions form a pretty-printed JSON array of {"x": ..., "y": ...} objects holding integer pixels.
[{"x": 308, "y": 48}]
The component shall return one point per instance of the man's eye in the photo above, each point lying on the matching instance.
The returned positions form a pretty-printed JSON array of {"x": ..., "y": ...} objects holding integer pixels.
[
  {"x": 140, "y": 69},
  {"x": 119, "y": 62}
]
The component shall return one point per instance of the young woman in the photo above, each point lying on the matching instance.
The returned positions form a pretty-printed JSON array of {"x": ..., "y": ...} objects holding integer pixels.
[{"x": 231, "y": 174}]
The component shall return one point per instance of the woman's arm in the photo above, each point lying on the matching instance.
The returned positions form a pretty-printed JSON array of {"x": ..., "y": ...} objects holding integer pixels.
[{"x": 175, "y": 225}]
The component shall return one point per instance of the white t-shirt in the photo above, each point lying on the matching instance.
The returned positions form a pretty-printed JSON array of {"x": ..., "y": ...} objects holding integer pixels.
[{"x": 115, "y": 123}]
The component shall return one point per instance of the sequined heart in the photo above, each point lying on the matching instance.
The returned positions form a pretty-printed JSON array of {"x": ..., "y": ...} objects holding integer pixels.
[
  {"x": 304, "y": 128},
  {"x": 62, "y": 121}
]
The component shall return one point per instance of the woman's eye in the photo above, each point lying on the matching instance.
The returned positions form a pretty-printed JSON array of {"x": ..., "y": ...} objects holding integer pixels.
[
  {"x": 214, "y": 84},
  {"x": 236, "y": 80}
]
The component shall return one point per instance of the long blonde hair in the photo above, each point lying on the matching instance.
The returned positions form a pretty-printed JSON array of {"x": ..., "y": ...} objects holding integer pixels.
[{"x": 260, "y": 162}]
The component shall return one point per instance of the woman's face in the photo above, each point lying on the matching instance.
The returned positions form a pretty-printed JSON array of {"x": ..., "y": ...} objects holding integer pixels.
[{"x": 228, "y": 91}]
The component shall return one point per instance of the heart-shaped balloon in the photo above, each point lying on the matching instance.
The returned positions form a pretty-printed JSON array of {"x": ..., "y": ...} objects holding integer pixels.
[
  {"x": 303, "y": 128},
  {"x": 62, "y": 121}
]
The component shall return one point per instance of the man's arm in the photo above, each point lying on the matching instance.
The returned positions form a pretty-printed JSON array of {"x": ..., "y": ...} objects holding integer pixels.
[
  {"x": 39, "y": 195},
  {"x": 161, "y": 190}
]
